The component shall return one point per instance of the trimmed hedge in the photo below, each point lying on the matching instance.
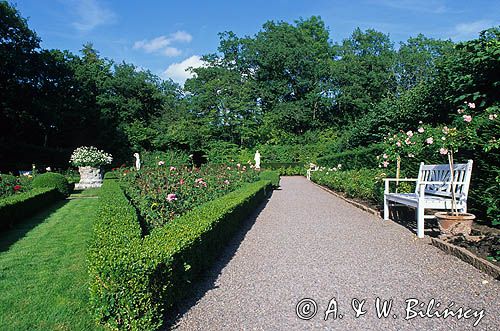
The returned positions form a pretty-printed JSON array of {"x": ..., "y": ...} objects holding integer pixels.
[
  {"x": 52, "y": 179},
  {"x": 135, "y": 279},
  {"x": 19, "y": 206},
  {"x": 273, "y": 176},
  {"x": 354, "y": 159}
]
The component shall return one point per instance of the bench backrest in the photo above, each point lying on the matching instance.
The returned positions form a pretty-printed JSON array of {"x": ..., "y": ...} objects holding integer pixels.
[{"x": 441, "y": 173}]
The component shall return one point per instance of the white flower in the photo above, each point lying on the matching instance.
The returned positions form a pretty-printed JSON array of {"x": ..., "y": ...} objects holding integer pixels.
[{"x": 89, "y": 156}]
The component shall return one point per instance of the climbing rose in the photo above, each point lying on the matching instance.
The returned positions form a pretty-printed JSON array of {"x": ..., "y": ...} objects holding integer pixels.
[
  {"x": 467, "y": 118},
  {"x": 443, "y": 151},
  {"x": 429, "y": 140},
  {"x": 421, "y": 130},
  {"x": 471, "y": 105},
  {"x": 171, "y": 197}
]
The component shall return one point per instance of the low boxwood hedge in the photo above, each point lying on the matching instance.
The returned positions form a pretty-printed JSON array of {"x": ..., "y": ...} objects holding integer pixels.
[
  {"x": 52, "y": 179},
  {"x": 134, "y": 279},
  {"x": 273, "y": 176},
  {"x": 19, "y": 206}
]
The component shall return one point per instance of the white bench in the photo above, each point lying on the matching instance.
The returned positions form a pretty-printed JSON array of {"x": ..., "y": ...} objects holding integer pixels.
[{"x": 432, "y": 191}]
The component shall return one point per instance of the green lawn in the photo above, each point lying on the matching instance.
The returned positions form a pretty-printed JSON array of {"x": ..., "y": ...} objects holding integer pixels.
[{"x": 43, "y": 271}]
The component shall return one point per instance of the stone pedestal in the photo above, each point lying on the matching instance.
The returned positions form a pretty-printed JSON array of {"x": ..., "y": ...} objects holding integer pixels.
[{"x": 90, "y": 177}]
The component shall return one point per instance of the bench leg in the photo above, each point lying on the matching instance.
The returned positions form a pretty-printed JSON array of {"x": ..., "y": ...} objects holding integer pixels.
[
  {"x": 420, "y": 222},
  {"x": 386, "y": 209}
]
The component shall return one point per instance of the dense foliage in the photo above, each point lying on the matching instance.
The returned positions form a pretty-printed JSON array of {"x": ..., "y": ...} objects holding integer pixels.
[
  {"x": 163, "y": 193},
  {"x": 288, "y": 90},
  {"x": 134, "y": 279},
  {"x": 53, "y": 180},
  {"x": 10, "y": 185}
]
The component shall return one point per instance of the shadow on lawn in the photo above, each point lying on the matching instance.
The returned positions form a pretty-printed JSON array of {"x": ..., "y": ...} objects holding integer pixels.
[
  {"x": 10, "y": 235},
  {"x": 206, "y": 281}
]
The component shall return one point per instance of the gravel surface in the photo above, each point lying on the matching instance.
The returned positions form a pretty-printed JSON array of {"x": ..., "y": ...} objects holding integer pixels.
[{"x": 306, "y": 243}]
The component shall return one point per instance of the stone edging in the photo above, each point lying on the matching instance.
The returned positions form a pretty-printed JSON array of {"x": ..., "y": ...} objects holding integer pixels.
[
  {"x": 466, "y": 256},
  {"x": 352, "y": 202},
  {"x": 463, "y": 254}
]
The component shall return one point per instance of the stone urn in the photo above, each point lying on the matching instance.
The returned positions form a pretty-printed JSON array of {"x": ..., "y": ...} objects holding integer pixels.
[
  {"x": 90, "y": 177},
  {"x": 451, "y": 224}
]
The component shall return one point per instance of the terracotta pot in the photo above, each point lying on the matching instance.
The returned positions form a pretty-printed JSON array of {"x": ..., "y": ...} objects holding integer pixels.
[
  {"x": 89, "y": 177},
  {"x": 453, "y": 225}
]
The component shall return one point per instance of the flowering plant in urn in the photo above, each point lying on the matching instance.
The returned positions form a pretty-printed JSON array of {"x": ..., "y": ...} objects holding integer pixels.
[
  {"x": 89, "y": 159},
  {"x": 90, "y": 156}
]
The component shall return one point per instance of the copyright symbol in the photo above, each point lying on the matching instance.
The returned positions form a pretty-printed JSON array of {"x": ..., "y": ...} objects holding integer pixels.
[{"x": 306, "y": 309}]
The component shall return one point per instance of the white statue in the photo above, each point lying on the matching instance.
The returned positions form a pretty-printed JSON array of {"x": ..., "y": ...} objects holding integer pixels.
[
  {"x": 257, "y": 160},
  {"x": 137, "y": 161}
]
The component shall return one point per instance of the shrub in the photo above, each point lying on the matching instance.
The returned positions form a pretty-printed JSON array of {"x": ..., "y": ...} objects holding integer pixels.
[
  {"x": 163, "y": 193},
  {"x": 51, "y": 179},
  {"x": 365, "y": 184},
  {"x": 19, "y": 206},
  {"x": 358, "y": 158},
  {"x": 134, "y": 279},
  {"x": 273, "y": 176}
]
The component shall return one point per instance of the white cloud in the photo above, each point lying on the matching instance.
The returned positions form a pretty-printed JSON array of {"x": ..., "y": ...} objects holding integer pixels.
[
  {"x": 471, "y": 30},
  {"x": 172, "y": 51},
  {"x": 181, "y": 36},
  {"x": 153, "y": 44},
  {"x": 91, "y": 15},
  {"x": 161, "y": 44},
  {"x": 179, "y": 71}
]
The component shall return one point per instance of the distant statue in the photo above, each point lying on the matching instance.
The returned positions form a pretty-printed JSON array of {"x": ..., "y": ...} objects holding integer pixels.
[
  {"x": 257, "y": 160},
  {"x": 137, "y": 161}
]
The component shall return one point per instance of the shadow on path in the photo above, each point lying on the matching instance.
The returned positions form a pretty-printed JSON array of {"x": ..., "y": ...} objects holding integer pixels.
[
  {"x": 11, "y": 235},
  {"x": 206, "y": 281}
]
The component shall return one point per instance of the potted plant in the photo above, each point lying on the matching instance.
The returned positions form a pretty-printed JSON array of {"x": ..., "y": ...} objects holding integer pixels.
[{"x": 89, "y": 161}]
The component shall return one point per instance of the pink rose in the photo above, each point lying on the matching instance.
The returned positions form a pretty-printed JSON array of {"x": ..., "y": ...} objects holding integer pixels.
[
  {"x": 492, "y": 116},
  {"x": 385, "y": 156},
  {"x": 226, "y": 182},
  {"x": 171, "y": 197},
  {"x": 443, "y": 151},
  {"x": 398, "y": 144},
  {"x": 467, "y": 118},
  {"x": 161, "y": 163},
  {"x": 407, "y": 141},
  {"x": 446, "y": 130},
  {"x": 421, "y": 130},
  {"x": 409, "y": 134},
  {"x": 385, "y": 164},
  {"x": 471, "y": 105},
  {"x": 429, "y": 140},
  {"x": 172, "y": 168}
]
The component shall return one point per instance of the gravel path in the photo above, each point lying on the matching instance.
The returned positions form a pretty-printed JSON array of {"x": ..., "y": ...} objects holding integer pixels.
[{"x": 306, "y": 243}]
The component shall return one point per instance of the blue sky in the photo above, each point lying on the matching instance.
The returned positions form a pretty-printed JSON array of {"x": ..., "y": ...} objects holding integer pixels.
[{"x": 168, "y": 36}]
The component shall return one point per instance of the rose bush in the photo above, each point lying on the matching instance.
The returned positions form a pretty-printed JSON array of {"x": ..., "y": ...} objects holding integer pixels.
[{"x": 161, "y": 193}]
